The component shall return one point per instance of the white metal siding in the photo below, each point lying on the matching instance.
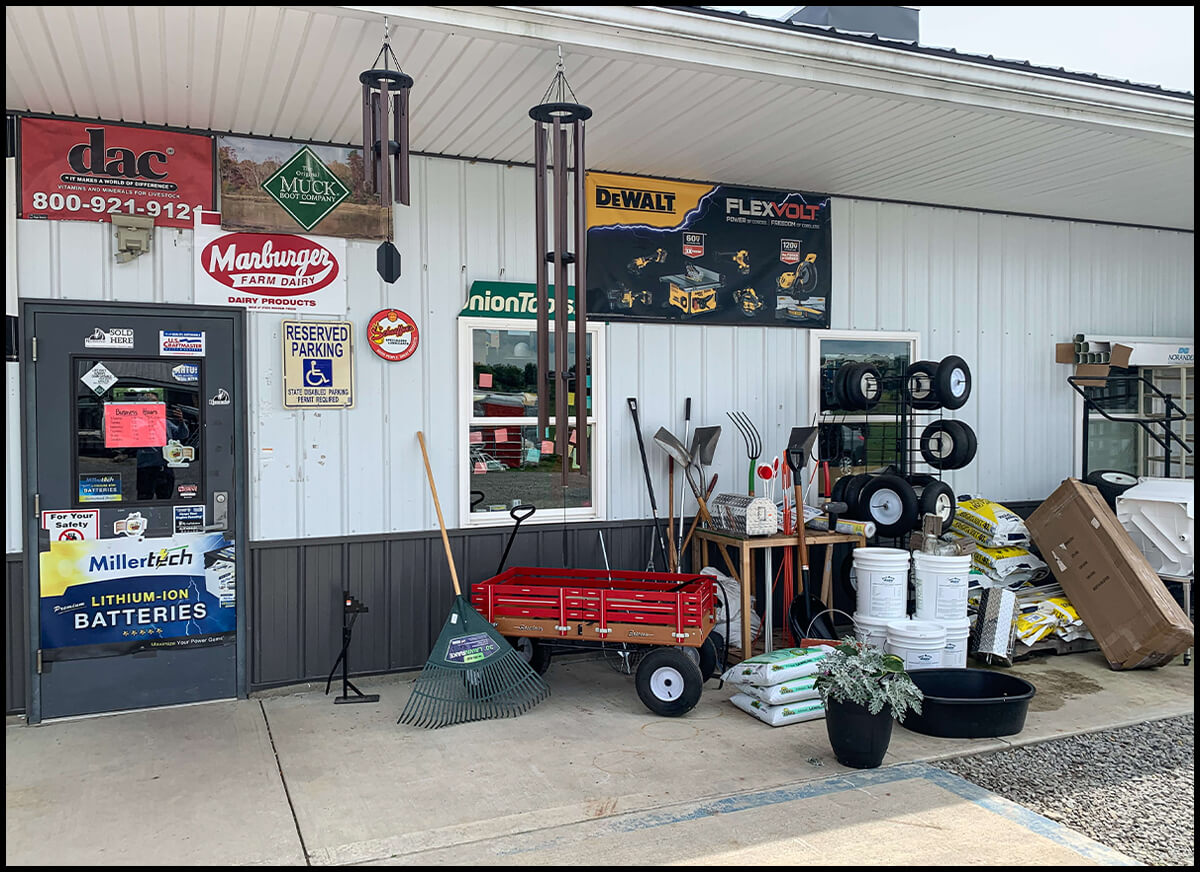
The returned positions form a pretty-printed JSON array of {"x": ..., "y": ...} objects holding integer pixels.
[{"x": 997, "y": 290}]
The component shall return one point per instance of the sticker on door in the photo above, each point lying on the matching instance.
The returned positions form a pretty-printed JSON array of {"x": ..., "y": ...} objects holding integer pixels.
[
  {"x": 181, "y": 343},
  {"x": 100, "y": 488},
  {"x": 113, "y": 337},
  {"x": 189, "y": 519},
  {"x": 72, "y": 526}
]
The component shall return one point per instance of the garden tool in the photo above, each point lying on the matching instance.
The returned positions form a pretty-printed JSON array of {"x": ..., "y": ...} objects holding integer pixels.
[{"x": 753, "y": 444}]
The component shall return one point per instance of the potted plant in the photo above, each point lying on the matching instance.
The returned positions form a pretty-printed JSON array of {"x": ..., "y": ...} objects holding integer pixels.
[{"x": 863, "y": 689}]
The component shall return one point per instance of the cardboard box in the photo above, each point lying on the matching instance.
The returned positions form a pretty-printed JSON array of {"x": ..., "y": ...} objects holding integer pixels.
[
  {"x": 1093, "y": 374},
  {"x": 1135, "y": 620}
]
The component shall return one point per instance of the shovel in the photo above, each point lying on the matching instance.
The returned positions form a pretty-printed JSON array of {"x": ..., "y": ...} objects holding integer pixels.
[
  {"x": 799, "y": 445},
  {"x": 675, "y": 449}
]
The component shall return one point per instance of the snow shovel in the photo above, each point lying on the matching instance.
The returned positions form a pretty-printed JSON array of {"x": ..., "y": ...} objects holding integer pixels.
[{"x": 472, "y": 673}]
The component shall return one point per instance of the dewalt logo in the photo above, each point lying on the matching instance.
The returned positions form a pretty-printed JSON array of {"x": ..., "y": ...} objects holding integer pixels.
[
  {"x": 615, "y": 200},
  {"x": 634, "y": 198}
]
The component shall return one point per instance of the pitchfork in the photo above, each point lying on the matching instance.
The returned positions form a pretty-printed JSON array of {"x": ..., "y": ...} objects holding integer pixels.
[{"x": 753, "y": 443}]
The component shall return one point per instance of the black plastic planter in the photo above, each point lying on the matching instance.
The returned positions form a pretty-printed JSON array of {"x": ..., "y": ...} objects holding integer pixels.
[{"x": 859, "y": 739}]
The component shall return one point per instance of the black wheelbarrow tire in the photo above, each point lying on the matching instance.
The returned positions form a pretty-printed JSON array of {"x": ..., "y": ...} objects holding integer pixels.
[
  {"x": 919, "y": 385},
  {"x": 952, "y": 382},
  {"x": 535, "y": 652},
  {"x": 669, "y": 682},
  {"x": 937, "y": 498}
]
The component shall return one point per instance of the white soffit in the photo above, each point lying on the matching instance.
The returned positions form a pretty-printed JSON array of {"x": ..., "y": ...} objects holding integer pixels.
[{"x": 675, "y": 93}]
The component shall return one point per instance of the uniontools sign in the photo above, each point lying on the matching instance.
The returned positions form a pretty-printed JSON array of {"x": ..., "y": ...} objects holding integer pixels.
[
  {"x": 122, "y": 595},
  {"x": 713, "y": 254},
  {"x": 268, "y": 272},
  {"x": 85, "y": 171},
  {"x": 318, "y": 364}
]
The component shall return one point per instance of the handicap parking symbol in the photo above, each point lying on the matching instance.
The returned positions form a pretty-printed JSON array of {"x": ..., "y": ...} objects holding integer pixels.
[{"x": 318, "y": 371}]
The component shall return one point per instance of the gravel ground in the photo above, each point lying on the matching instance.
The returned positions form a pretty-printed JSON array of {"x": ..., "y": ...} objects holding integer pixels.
[{"x": 1132, "y": 789}]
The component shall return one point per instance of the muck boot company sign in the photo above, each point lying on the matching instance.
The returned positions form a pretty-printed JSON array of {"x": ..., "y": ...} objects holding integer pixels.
[{"x": 306, "y": 189}]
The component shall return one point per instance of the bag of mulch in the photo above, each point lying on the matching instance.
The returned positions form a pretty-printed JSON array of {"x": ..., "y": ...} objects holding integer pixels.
[
  {"x": 786, "y": 664},
  {"x": 784, "y": 693},
  {"x": 779, "y": 715},
  {"x": 1010, "y": 565},
  {"x": 989, "y": 523}
]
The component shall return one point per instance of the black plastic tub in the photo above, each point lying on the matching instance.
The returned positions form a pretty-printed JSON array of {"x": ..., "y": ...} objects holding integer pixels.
[{"x": 969, "y": 703}]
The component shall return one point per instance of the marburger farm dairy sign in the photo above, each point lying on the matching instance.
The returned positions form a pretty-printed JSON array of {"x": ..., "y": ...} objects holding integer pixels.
[{"x": 268, "y": 272}]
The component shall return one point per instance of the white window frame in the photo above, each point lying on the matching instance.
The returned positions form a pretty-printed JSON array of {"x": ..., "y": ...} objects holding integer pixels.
[
  {"x": 814, "y": 360},
  {"x": 598, "y": 511},
  {"x": 814, "y": 367}
]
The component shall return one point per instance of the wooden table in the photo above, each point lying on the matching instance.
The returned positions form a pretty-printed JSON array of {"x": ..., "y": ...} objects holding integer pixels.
[{"x": 745, "y": 575}]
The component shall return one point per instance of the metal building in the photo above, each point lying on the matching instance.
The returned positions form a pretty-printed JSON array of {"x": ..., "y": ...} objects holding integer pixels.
[{"x": 981, "y": 208}]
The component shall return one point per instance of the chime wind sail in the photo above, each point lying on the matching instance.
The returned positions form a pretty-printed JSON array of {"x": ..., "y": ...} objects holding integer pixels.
[{"x": 558, "y": 147}]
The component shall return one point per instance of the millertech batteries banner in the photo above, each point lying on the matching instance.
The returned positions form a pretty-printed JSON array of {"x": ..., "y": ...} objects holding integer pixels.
[
  {"x": 114, "y": 596},
  {"x": 712, "y": 254}
]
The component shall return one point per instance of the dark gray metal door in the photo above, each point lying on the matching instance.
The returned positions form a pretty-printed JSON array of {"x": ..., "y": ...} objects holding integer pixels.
[{"x": 135, "y": 545}]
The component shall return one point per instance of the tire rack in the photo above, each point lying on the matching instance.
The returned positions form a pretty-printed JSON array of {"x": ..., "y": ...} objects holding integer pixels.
[{"x": 900, "y": 456}]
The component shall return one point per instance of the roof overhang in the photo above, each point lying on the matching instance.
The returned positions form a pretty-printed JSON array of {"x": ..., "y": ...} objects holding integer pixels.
[{"x": 676, "y": 92}]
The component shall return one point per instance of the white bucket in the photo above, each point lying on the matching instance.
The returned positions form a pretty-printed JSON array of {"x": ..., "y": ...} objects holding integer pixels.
[
  {"x": 881, "y": 576},
  {"x": 941, "y": 583},
  {"x": 920, "y": 644},
  {"x": 871, "y": 630},
  {"x": 954, "y": 655}
]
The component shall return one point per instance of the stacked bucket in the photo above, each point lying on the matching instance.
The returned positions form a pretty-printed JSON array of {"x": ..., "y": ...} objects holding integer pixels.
[{"x": 936, "y": 635}]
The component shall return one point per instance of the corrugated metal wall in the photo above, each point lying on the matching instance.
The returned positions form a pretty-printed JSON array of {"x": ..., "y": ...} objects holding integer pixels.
[{"x": 997, "y": 290}]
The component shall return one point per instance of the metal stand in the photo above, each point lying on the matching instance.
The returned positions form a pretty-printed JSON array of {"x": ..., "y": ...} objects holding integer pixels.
[{"x": 351, "y": 609}]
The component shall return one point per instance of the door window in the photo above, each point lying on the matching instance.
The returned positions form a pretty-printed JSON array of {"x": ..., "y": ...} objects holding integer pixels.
[{"x": 137, "y": 431}]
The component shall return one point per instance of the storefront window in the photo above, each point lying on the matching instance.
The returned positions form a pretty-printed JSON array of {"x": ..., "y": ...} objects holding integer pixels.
[{"x": 508, "y": 462}]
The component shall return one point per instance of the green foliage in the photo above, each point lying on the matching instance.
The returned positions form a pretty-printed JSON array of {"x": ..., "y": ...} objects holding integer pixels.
[{"x": 863, "y": 674}]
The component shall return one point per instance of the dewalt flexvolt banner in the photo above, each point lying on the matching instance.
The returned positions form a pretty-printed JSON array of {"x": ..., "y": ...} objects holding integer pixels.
[{"x": 713, "y": 254}]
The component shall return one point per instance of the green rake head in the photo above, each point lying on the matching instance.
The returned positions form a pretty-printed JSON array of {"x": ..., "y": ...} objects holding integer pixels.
[{"x": 472, "y": 674}]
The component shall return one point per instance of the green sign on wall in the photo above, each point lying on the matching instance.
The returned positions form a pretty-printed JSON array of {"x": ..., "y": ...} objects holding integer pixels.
[
  {"x": 305, "y": 188},
  {"x": 509, "y": 300}
]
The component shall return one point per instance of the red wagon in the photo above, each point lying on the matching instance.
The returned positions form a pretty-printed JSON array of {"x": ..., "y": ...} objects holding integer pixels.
[{"x": 671, "y": 614}]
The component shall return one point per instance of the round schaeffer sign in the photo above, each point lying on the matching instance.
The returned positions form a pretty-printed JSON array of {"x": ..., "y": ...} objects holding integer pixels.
[{"x": 392, "y": 334}]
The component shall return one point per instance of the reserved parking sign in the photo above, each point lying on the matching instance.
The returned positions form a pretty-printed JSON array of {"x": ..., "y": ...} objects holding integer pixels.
[{"x": 318, "y": 364}]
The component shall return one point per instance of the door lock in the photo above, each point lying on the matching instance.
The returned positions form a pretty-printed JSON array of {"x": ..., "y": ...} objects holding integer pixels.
[{"x": 220, "y": 513}]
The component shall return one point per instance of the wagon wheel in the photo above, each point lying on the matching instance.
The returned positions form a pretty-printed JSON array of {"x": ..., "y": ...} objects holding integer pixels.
[
  {"x": 669, "y": 682},
  {"x": 710, "y": 655},
  {"x": 533, "y": 651},
  {"x": 623, "y": 657}
]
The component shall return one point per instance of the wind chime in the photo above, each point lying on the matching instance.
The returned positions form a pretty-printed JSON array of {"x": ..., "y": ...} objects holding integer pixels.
[
  {"x": 385, "y": 158},
  {"x": 558, "y": 120}
]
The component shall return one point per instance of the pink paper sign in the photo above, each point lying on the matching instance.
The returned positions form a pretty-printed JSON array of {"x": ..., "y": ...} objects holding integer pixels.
[
  {"x": 135, "y": 425},
  {"x": 500, "y": 435},
  {"x": 480, "y": 467},
  {"x": 485, "y": 379},
  {"x": 547, "y": 447},
  {"x": 476, "y": 436}
]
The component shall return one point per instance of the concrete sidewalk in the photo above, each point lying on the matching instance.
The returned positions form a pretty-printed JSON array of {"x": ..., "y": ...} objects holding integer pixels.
[{"x": 289, "y": 778}]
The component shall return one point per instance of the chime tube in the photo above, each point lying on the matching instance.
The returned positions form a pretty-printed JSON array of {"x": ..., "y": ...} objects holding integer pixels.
[
  {"x": 581, "y": 358},
  {"x": 543, "y": 291},
  {"x": 561, "y": 306}
]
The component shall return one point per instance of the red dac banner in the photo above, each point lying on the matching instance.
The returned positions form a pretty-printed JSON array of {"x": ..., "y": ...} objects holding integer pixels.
[{"x": 83, "y": 171}]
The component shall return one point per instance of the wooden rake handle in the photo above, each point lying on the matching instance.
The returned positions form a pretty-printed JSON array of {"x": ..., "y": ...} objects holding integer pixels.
[{"x": 441, "y": 521}]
